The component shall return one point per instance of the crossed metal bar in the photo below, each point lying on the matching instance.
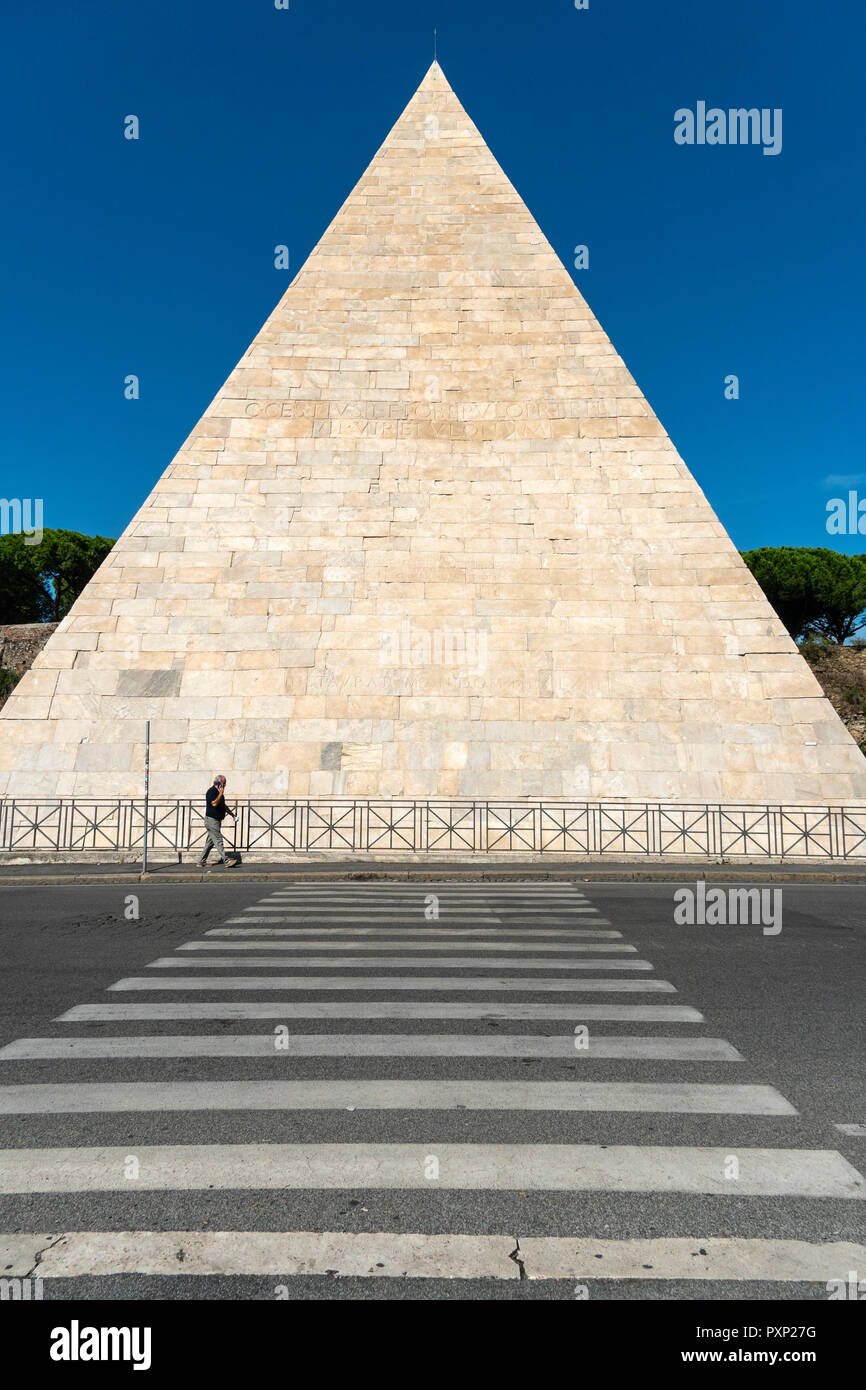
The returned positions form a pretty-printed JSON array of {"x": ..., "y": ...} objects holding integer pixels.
[{"x": 466, "y": 826}]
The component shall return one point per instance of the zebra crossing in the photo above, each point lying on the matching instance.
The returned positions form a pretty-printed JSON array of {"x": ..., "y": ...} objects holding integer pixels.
[{"x": 381, "y": 1076}]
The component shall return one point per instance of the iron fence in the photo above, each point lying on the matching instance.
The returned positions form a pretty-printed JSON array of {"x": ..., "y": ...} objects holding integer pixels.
[{"x": 90, "y": 825}]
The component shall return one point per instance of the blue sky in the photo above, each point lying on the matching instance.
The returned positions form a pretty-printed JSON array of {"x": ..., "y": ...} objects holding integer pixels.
[{"x": 156, "y": 257}]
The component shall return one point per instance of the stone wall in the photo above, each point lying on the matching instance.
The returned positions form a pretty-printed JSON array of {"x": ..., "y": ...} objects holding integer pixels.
[
  {"x": 841, "y": 672},
  {"x": 429, "y": 542},
  {"x": 20, "y": 644}
]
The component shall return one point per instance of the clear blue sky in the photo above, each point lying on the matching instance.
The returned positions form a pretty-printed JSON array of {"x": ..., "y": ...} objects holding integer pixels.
[{"x": 156, "y": 257}]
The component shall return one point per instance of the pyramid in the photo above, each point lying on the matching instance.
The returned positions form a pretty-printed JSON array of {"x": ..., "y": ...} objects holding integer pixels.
[{"x": 429, "y": 540}]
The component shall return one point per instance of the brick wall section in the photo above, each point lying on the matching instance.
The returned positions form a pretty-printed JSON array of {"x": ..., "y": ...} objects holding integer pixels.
[{"x": 20, "y": 644}]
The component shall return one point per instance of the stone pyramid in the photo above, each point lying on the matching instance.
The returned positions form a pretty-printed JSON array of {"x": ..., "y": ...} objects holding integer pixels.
[{"x": 428, "y": 541}]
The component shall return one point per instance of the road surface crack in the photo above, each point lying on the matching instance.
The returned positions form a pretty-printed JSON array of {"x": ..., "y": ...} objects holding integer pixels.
[
  {"x": 518, "y": 1258},
  {"x": 40, "y": 1253}
]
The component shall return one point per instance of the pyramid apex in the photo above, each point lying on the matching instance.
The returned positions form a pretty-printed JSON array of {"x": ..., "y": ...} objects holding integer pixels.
[{"x": 434, "y": 73}]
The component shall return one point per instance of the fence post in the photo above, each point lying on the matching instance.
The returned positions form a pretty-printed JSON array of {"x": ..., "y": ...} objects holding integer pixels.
[{"x": 146, "y": 791}]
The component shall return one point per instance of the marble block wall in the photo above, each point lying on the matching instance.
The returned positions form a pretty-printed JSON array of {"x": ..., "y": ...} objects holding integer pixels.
[{"x": 428, "y": 540}]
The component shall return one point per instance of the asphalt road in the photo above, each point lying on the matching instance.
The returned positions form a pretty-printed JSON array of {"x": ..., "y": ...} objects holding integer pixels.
[{"x": 790, "y": 1004}]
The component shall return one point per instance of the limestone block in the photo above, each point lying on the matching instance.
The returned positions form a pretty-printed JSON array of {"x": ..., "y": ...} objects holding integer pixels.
[
  {"x": 455, "y": 756},
  {"x": 111, "y": 757},
  {"x": 360, "y": 758},
  {"x": 164, "y": 757},
  {"x": 292, "y": 757},
  {"x": 26, "y": 707},
  {"x": 322, "y": 783}
]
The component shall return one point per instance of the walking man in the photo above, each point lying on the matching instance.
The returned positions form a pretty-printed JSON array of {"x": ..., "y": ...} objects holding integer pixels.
[{"x": 216, "y": 811}]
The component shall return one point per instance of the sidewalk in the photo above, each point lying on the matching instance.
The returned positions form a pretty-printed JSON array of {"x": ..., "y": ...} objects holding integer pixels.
[{"x": 432, "y": 869}]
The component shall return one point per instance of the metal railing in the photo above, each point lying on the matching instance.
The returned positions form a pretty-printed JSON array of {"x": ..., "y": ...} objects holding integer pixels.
[{"x": 341, "y": 825}]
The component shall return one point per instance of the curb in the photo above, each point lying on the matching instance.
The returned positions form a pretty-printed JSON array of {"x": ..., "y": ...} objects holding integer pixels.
[{"x": 586, "y": 874}]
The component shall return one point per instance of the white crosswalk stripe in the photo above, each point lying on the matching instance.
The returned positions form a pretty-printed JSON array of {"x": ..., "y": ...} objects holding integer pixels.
[
  {"x": 470, "y": 933},
  {"x": 478, "y": 896},
  {"x": 405, "y": 901},
  {"x": 395, "y": 963},
  {"x": 49, "y": 1099},
  {"x": 468, "y": 1167},
  {"x": 505, "y": 898},
  {"x": 384, "y": 1255},
  {"x": 277, "y": 912},
  {"x": 362, "y": 983},
  {"x": 470, "y": 948},
  {"x": 515, "y": 930},
  {"x": 566, "y": 1010},
  {"x": 375, "y": 1045},
  {"x": 405, "y": 905}
]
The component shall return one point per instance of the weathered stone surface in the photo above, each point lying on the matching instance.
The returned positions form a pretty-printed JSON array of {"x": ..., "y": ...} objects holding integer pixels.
[
  {"x": 429, "y": 540},
  {"x": 20, "y": 645},
  {"x": 140, "y": 683}
]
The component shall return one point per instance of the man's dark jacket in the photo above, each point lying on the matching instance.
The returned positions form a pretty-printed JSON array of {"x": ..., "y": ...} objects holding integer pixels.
[{"x": 217, "y": 812}]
